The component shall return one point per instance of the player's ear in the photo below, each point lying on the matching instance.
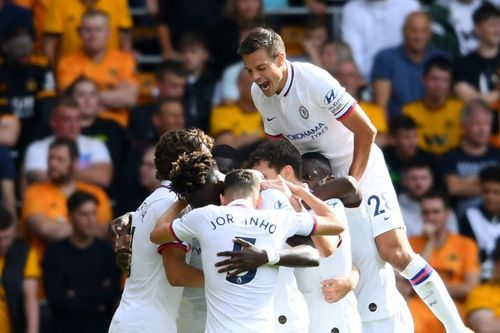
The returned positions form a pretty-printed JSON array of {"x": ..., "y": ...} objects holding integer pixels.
[
  {"x": 287, "y": 172},
  {"x": 280, "y": 59},
  {"x": 223, "y": 201}
]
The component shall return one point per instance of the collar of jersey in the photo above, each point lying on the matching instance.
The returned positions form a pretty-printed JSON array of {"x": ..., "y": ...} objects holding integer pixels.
[
  {"x": 241, "y": 203},
  {"x": 289, "y": 80},
  {"x": 165, "y": 183}
]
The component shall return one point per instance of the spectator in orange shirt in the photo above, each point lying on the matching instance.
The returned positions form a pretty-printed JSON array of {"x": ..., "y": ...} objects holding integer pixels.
[
  {"x": 45, "y": 215},
  {"x": 483, "y": 303},
  {"x": 63, "y": 18},
  {"x": 112, "y": 70},
  {"x": 455, "y": 257}
]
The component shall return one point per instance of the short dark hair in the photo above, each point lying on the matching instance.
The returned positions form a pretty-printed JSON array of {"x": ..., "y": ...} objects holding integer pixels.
[
  {"x": 439, "y": 62},
  {"x": 17, "y": 31},
  {"x": 78, "y": 198},
  {"x": 173, "y": 143},
  {"x": 401, "y": 122},
  {"x": 322, "y": 159},
  {"x": 65, "y": 101},
  {"x": 168, "y": 101},
  {"x": 417, "y": 164},
  {"x": 74, "y": 153},
  {"x": 278, "y": 154},
  {"x": 490, "y": 174},
  {"x": 262, "y": 38},
  {"x": 170, "y": 66},
  {"x": 68, "y": 93},
  {"x": 6, "y": 218},
  {"x": 437, "y": 194},
  {"x": 240, "y": 182},
  {"x": 485, "y": 12},
  {"x": 193, "y": 39}
]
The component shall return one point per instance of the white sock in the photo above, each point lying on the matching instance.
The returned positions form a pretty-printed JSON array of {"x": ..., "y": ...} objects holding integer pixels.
[{"x": 431, "y": 289}]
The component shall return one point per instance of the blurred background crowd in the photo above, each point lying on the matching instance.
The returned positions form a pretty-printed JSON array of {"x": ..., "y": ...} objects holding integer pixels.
[{"x": 88, "y": 86}]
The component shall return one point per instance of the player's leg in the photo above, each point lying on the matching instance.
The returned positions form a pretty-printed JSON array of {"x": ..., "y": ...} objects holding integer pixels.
[
  {"x": 392, "y": 243},
  {"x": 400, "y": 322}
]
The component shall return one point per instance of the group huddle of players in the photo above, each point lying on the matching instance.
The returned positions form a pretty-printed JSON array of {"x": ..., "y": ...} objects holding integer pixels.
[{"x": 256, "y": 249}]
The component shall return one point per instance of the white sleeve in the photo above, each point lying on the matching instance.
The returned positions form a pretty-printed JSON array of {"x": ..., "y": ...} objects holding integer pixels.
[
  {"x": 186, "y": 227},
  {"x": 275, "y": 199},
  {"x": 100, "y": 153},
  {"x": 330, "y": 96},
  {"x": 303, "y": 224},
  {"x": 35, "y": 158}
]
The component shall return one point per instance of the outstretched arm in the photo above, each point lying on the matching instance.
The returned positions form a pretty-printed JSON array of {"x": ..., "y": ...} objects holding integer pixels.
[
  {"x": 251, "y": 257},
  {"x": 345, "y": 188}
]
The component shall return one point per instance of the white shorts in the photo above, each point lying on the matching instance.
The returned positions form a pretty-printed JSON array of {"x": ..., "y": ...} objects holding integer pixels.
[
  {"x": 379, "y": 195},
  {"x": 400, "y": 322}
]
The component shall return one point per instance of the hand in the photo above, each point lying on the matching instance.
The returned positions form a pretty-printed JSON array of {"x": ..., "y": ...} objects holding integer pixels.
[
  {"x": 296, "y": 189},
  {"x": 124, "y": 255},
  {"x": 335, "y": 289},
  {"x": 248, "y": 258},
  {"x": 276, "y": 184},
  {"x": 118, "y": 229}
]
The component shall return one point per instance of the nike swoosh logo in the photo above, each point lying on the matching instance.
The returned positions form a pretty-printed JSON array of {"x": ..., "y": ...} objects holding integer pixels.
[
  {"x": 269, "y": 119},
  {"x": 386, "y": 218}
]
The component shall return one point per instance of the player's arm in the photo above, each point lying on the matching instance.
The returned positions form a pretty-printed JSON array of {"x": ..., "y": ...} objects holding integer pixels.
[
  {"x": 162, "y": 232},
  {"x": 364, "y": 136},
  {"x": 484, "y": 321},
  {"x": 251, "y": 257},
  {"x": 327, "y": 223},
  {"x": 179, "y": 273},
  {"x": 345, "y": 188}
]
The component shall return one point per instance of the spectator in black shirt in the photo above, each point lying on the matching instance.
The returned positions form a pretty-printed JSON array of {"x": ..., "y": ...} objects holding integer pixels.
[
  {"x": 462, "y": 165},
  {"x": 200, "y": 81},
  {"x": 405, "y": 150},
  {"x": 178, "y": 17},
  {"x": 475, "y": 73},
  {"x": 482, "y": 223},
  {"x": 27, "y": 85},
  {"x": 81, "y": 279},
  {"x": 171, "y": 79},
  {"x": 7, "y": 182},
  {"x": 13, "y": 15}
]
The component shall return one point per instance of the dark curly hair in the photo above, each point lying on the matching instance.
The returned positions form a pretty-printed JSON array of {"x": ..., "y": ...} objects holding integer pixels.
[
  {"x": 174, "y": 143},
  {"x": 190, "y": 173}
]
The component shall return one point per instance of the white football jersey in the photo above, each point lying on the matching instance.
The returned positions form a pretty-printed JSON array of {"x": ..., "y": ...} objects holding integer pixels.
[
  {"x": 307, "y": 113},
  {"x": 376, "y": 292},
  {"x": 149, "y": 303},
  {"x": 290, "y": 308},
  {"x": 241, "y": 303},
  {"x": 325, "y": 317},
  {"x": 192, "y": 313}
]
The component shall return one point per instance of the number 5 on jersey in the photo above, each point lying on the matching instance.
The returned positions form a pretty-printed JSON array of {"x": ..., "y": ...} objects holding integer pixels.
[{"x": 250, "y": 275}]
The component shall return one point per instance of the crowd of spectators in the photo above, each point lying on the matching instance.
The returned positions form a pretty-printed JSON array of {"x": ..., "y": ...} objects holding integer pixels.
[{"x": 79, "y": 121}]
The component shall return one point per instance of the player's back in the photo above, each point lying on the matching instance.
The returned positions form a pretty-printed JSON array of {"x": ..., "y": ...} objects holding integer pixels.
[
  {"x": 241, "y": 303},
  {"x": 149, "y": 303},
  {"x": 337, "y": 265}
]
